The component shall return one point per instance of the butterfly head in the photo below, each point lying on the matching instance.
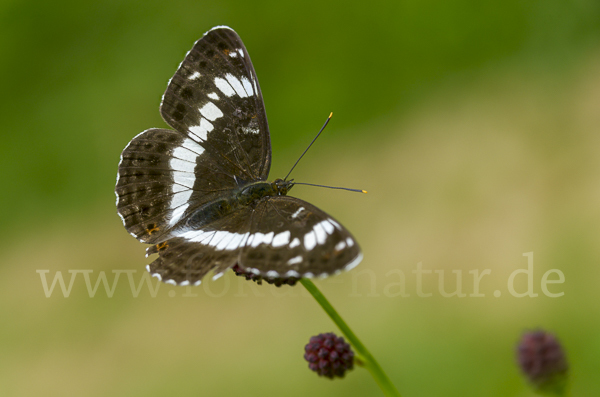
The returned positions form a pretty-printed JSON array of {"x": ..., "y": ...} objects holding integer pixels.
[{"x": 282, "y": 187}]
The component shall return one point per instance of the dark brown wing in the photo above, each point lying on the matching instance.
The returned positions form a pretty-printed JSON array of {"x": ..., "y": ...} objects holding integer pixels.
[{"x": 292, "y": 238}]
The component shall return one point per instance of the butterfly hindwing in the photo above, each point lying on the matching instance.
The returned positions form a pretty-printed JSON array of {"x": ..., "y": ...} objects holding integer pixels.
[
  {"x": 155, "y": 181},
  {"x": 190, "y": 256},
  {"x": 292, "y": 238}
]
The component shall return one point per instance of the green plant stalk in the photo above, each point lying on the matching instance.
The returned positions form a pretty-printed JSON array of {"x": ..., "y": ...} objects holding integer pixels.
[{"x": 370, "y": 363}]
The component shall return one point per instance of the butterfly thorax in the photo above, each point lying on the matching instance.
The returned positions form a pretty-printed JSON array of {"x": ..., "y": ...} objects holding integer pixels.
[
  {"x": 244, "y": 196},
  {"x": 257, "y": 190}
]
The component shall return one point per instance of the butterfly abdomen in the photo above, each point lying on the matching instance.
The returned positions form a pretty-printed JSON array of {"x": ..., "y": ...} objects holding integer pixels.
[{"x": 211, "y": 212}]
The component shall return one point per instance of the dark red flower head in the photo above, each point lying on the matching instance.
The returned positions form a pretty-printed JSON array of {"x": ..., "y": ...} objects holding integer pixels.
[
  {"x": 543, "y": 361},
  {"x": 329, "y": 355}
]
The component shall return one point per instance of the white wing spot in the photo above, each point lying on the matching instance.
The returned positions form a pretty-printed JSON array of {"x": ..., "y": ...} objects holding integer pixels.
[
  {"x": 225, "y": 241},
  {"x": 224, "y": 86},
  {"x": 340, "y": 246},
  {"x": 294, "y": 260},
  {"x": 337, "y": 225},
  {"x": 180, "y": 199},
  {"x": 219, "y": 236},
  {"x": 182, "y": 165},
  {"x": 292, "y": 273},
  {"x": 184, "y": 154},
  {"x": 320, "y": 233},
  {"x": 298, "y": 211},
  {"x": 178, "y": 212},
  {"x": 202, "y": 130},
  {"x": 258, "y": 238},
  {"x": 158, "y": 276},
  {"x": 183, "y": 181},
  {"x": 354, "y": 263},
  {"x": 237, "y": 85},
  {"x": 350, "y": 242},
  {"x": 328, "y": 226},
  {"x": 268, "y": 238},
  {"x": 217, "y": 276},
  {"x": 254, "y": 83},
  {"x": 178, "y": 188},
  {"x": 194, "y": 76},
  {"x": 310, "y": 240},
  {"x": 295, "y": 242},
  {"x": 192, "y": 146},
  {"x": 255, "y": 239},
  {"x": 211, "y": 111},
  {"x": 247, "y": 86},
  {"x": 272, "y": 273},
  {"x": 244, "y": 240},
  {"x": 196, "y": 236},
  {"x": 250, "y": 130},
  {"x": 236, "y": 242},
  {"x": 213, "y": 96},
  {"x": 280, "y": 239}
]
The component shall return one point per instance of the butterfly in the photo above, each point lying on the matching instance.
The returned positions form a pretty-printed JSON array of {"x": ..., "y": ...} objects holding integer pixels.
[{"x": 199, "y": 193}]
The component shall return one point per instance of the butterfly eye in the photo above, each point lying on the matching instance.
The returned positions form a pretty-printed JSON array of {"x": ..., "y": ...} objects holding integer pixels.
[{"x": 282, "y": 187}]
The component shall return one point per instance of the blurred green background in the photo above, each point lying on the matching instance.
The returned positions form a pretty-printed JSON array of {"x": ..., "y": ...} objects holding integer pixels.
[{"x": 475, "y": 127}]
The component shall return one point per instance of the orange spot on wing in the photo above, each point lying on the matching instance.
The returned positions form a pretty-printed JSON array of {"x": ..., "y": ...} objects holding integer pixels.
[
  {"x": 162, "y": 246},
  {"x": 152, "y": 228}
]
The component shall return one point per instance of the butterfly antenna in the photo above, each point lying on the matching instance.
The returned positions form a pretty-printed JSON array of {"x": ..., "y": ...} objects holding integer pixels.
[
  {"x": 313, "y": 141},
  {"x": 332, "y": 187}
]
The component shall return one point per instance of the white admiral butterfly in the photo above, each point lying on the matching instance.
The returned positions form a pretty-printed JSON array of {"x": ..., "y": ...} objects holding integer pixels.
[{"x": 199, "y": 193}]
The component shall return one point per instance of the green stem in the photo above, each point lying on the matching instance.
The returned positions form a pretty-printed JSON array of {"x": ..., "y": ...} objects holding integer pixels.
[{"x": 369, "y": 361}]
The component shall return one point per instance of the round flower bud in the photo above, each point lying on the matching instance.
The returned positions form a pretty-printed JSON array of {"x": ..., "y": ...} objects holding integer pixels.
[
  {"x": 329, "y": 355},
  {"x": 542, "y": 361}
]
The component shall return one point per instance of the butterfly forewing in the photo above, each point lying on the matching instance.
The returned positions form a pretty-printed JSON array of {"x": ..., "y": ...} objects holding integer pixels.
[{"x": 214, "y": 97}]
